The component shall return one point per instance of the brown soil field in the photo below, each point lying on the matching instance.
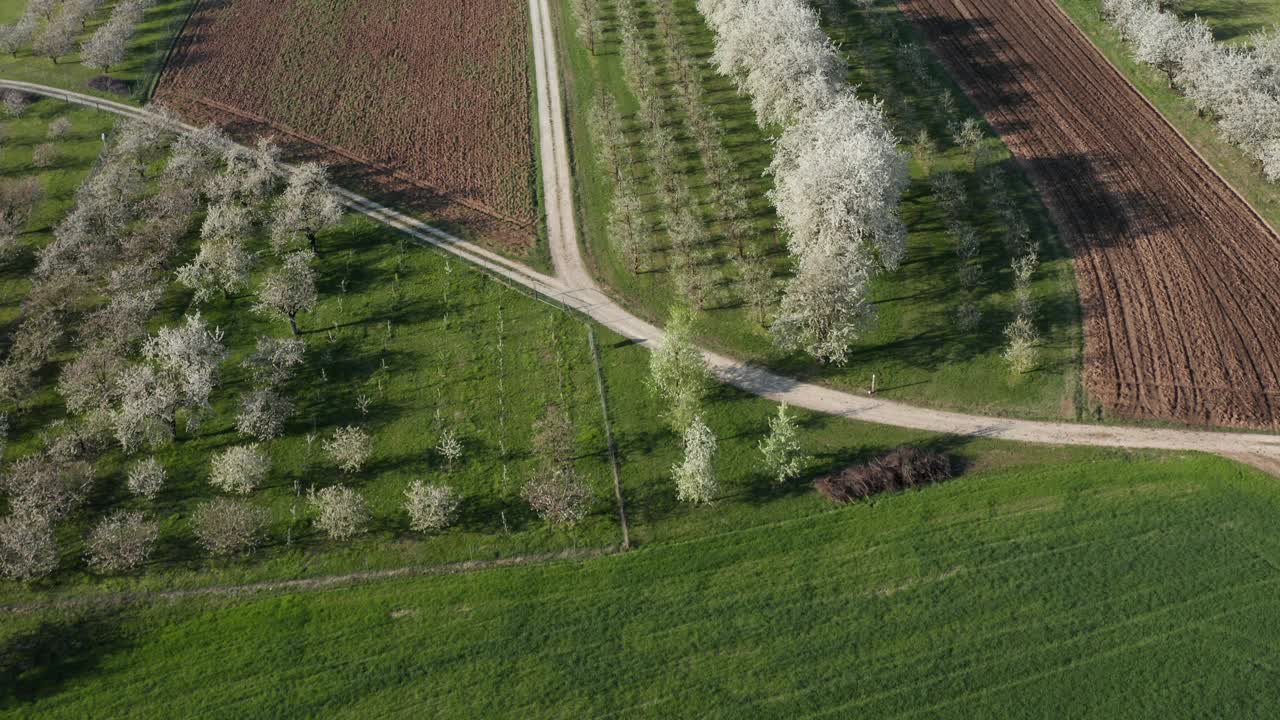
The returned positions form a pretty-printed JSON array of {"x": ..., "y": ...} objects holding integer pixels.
[
  {"x": 1179, "y": 278},
  {"x": 423, "y": 102}
]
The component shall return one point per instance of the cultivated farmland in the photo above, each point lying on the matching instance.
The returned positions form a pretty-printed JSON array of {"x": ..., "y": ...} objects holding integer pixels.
[
  {"x": 427, "y": 101},
  {"x": 1175, "y": 270}
]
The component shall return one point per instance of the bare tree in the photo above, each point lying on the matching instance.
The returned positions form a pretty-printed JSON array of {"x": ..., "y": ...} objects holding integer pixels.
[
  {"x": 289, "y": 289},
  {"x": 449, "y": 447},
  {"x": 239, "y": 469},
  {"x": 431, "y": 507},
  {"x": 308, "y": 206},
  {"x": 559, "y": 498},
  {"x": 553, "y": 439},
  {"x": 122, "y": 541},
  {"x": 339, "y": 511},
  {"x": 226, "y": 526},
  {"x": 147, "y": 478},
  {"x": 349, "y": 448},
  {"x": 756, "y": 286},
  {"x": 586, "y": 14}
]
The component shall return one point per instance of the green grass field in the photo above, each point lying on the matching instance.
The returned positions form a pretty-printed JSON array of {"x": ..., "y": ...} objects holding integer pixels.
[
  {"x": 433, "y": 345},
  {"x": 1110, "y": 587},
  {"x": 1242, "y": 172},
  {"x": 1233, "y": 20},
  {"x": 915, "y": 350},
  {"x": 143, "y": 62}
]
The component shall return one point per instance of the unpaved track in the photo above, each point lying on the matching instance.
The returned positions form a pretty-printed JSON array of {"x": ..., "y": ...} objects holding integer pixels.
[
  {"x": 1179, "y": 278},
  {"x": 575, "y": 289}
]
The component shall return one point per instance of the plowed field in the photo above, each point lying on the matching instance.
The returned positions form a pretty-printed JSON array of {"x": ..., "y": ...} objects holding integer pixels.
[
  {"x": 1179, "y": 279},
  {"x": 423, "y": 99}
]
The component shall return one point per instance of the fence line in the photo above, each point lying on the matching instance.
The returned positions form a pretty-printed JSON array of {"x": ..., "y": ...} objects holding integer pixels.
[{"x": 608, "y": 434}]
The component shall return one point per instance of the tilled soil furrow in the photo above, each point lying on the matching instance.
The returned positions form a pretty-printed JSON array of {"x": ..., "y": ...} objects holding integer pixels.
[
  {"x": 1147, "y": 236},
  {"x": 1182, "y": 314}
]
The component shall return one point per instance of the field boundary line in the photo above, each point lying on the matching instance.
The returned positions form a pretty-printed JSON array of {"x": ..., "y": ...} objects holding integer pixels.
[
  {"x": 311, "y": 584},
  {"x": 154, "y": 83},
  {"x": 608, "y": 435}
]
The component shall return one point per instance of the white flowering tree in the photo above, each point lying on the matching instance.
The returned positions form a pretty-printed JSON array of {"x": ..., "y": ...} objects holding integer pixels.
[
  {"x": 188, "y": 356},
  {"x": 147, "y": 478},
  {"x": 678, "y": 371},
  {"x": 776, "y": 51},
  {"x": 222, "y": 264},
  {"x": 289, "y": 289},
  {"x": 263, "y": 414},
  {"x": 28, "y": 549},
  {"x": 838, "y": 181},
  {"x": 274, "y": 359},
  {"x": 307, "y": 206},
  {"x": 122, "y": 541},
  {"x": 781, "y": 449},
  {"x": 695, "y": 478},
  {"x": 824, "y": 307},
  {"x": 239, "y": 469},
  {"x": 431, "y": 507},
  {"x": 349, "y": 448},
  {"x": 339, "y": 511},
  {"x": 227, "y": 526}
]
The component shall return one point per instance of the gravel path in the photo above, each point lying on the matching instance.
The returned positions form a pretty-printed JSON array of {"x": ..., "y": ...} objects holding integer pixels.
[{"x": 575, "y": 288}]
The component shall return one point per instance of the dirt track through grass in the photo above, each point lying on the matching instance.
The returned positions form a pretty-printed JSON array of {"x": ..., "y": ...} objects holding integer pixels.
[{"x": 1175, "y": 269}]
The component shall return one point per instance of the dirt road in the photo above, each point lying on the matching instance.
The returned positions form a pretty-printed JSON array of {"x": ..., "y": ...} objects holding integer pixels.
[
  {"x": 1177, "y": 274},
  {"x": 576, "y": 290}
]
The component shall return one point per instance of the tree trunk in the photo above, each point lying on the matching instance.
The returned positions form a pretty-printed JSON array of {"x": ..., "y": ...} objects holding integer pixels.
[
  {"x": 315, "y": 247},
  {"x": 293, "y": 324}
]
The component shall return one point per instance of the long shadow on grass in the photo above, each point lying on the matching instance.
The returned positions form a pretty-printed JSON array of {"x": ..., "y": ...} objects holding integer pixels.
[{"x": 39, "y": 663}]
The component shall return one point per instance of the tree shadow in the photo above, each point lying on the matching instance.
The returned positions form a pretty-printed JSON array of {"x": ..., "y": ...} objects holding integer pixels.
[{"x": 39, "y": 663}]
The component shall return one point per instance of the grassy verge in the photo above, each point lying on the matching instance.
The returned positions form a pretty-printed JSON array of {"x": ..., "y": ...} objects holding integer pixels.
[
  {"x": 1240, "y": 171},
  {"x": 1113, "y": 588},
  {"x": 915, "y": 350},
  {"x": 1233, "y": 20},
  {"x": 143, "y": 62}
]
